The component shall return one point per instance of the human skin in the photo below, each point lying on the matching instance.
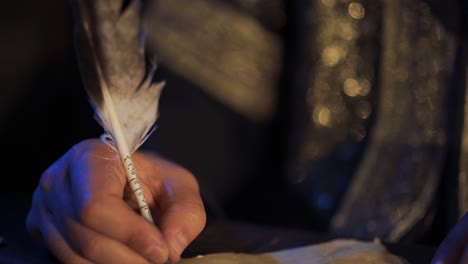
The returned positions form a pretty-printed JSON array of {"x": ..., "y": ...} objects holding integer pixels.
[{"x": 84, "y": 212}]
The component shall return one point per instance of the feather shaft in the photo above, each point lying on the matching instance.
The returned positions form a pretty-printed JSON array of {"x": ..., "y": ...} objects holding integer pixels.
[{"x": 125, "y": 156}]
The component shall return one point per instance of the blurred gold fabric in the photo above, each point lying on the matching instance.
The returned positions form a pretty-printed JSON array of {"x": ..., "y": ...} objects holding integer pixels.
[
  {"x": 396, "y": 182},
  {"x": 225, "y": 51},
  {"x": 378, "y": 78}
]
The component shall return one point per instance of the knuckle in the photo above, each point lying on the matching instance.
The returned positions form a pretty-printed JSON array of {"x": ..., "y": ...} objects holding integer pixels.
[
  {"x": 186, "y": 173},
  {"x": 90, "y": 151},
  {"x": 87, "y": 212},
  {"x": 189, "y": 178},
  {"x": 30, "y": 222},
  {"x": 84, "y": 148},
  {"x": 135, "y": 237},
  {"x": 80, "y": 149},
  {"x": 45, "y": 183},
  {"x": 197, "y": 215},
  {"x": 89, "y": 248},
  {"x": 36, "y": 198},
  {"x": 32, "y": 227}
]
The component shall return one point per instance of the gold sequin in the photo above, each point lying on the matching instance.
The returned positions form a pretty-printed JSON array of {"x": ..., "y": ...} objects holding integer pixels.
[
  {"x": 342, "y": 79},
  {"x": 322, "y": 115},
  {"x": 332, "y": 55},
  {"x": 356, "y": 10},
  {"x": 351, "y": 87}
]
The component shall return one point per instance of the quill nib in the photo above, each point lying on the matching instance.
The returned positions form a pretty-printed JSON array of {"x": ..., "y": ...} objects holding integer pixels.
[{"x": 109, "y": 40}]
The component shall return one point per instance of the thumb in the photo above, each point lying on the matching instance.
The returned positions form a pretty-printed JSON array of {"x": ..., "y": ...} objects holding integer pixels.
[
  {"x": 181, "y": 224},
  {"x": 183, "y": 214}
]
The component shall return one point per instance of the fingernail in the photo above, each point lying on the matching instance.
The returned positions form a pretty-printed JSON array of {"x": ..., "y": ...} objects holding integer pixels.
[
  {"x": 179, "y": 243},
  {"x": 155, "y": 254}
]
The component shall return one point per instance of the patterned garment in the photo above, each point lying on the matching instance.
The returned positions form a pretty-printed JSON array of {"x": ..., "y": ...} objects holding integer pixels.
[{"x": 366, "y": 92}]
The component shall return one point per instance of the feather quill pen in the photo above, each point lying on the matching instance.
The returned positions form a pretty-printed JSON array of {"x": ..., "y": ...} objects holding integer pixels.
[{"x": 110, "y": 47}]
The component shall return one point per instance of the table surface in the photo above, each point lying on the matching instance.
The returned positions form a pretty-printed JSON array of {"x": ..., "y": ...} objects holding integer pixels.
[
  {"x": 252, "y": 238},
  {"x": 220, "y": 236}
]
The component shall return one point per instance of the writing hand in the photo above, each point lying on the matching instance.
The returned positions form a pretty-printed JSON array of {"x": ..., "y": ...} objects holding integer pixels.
[{"x": 83, "y": 211}]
